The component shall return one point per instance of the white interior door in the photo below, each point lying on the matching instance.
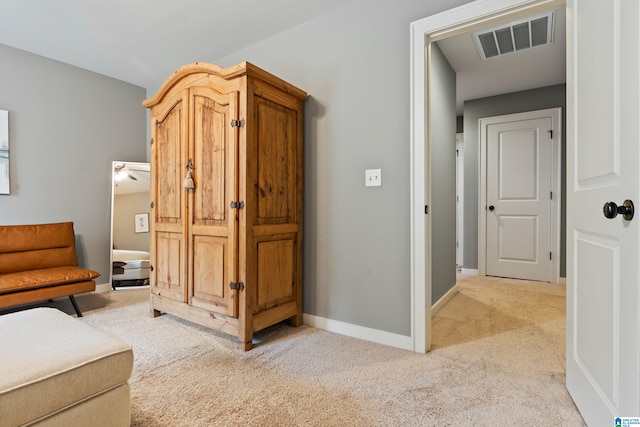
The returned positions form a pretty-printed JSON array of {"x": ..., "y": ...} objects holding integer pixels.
[
  {"x": 603, "y": 321},
  {"x": 519, "y": 194}
]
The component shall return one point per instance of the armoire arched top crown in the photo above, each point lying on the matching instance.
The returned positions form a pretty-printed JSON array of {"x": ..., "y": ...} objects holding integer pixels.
[{"x": 239, "y": 70}]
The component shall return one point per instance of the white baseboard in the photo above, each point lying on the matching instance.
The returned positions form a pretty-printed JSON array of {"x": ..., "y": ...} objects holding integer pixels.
[
  {"x": 381, "y": 337},
  {"x": 445, "y": 299},
  {"x": 469, "y": 271},
  {"x": 103, "y": 287},
  {"x": 356, "y": 331}
]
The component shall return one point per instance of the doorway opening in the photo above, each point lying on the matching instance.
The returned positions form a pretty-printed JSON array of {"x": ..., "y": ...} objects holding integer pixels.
[{"x": 453, "y": 22}]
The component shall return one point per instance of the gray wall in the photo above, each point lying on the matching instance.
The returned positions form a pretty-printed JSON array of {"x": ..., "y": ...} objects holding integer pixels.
[
  {"x": 354, "y": 63},
  {"x": 442, "y": 127},
  {"x": 66, "y": 126},
  {"x": 530, "y": 100}
]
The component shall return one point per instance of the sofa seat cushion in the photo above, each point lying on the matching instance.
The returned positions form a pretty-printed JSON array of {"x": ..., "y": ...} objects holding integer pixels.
[
  {"x": 12, "y": 282},
  {"x": 51, "y": 361}
]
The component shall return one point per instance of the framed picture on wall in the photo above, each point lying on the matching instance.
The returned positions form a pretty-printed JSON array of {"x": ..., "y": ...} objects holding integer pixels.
[{"x": 142, "y": 223}]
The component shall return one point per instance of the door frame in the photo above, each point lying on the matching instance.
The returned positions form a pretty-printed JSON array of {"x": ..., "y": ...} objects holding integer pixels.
[
  {"x": 422, "y": 33},
  {"x": 556, "y": 163},
  {"x": 460, "y": 199}
]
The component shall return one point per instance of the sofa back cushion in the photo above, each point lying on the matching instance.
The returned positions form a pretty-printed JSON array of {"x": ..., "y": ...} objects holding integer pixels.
[{"x": 31, "y": 247}]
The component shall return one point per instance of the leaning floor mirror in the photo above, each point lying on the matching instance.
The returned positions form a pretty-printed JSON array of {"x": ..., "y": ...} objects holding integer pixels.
[{"x": 130, "y": 237}]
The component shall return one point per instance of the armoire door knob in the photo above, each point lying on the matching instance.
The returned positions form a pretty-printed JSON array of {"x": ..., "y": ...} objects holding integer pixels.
[
  {"x": 611, "y": 210},
  {"x": 491, "y": 207}
]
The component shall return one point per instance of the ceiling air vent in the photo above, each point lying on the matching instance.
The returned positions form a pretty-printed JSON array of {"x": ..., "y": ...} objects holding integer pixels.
[{"x": 516, "y": 36}]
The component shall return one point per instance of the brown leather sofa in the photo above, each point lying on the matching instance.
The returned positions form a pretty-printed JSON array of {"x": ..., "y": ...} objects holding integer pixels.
[{"x": 38, "y": 262}]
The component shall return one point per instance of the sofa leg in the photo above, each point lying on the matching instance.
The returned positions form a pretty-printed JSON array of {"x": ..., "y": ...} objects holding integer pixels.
[{"x": 75, "y": 305}]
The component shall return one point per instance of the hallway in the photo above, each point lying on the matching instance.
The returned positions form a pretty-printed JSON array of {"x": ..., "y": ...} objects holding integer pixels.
[{"x": 508, "y": 336}]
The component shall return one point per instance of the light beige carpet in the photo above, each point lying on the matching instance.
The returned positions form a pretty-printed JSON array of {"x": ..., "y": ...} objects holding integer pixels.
[{"x": 497, "y": 359}]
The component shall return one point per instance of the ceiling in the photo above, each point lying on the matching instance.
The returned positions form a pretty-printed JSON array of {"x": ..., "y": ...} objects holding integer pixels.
[
  {"x": 141, "y": 43},
  {"x": 528, "y": 69},
  {"x": 137, "y": 178}
]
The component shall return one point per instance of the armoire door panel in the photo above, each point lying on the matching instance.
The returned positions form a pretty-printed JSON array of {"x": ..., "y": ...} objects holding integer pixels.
[
  {"x": 211, "y": 282},
  {"x": 169, "y": 158},
  {"x": 277, "y": 165},
  {"x": 276, "y": 260},
  {"x": 169, "y": 265},
  {"x": 213, "y": 155}
]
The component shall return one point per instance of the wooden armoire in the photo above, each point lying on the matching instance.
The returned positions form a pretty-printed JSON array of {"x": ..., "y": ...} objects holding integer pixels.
[{"x": 226, "y": 210}]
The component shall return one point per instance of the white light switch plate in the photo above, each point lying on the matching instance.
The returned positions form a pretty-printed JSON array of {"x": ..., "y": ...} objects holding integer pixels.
[{"x": 373, "y": 177}]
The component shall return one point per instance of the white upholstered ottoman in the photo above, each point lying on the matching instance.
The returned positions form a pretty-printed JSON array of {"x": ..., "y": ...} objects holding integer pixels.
[{"x": 58, "y": 371}]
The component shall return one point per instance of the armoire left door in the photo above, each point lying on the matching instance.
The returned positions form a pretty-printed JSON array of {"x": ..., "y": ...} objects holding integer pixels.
[{"x": 169, "y": 155}]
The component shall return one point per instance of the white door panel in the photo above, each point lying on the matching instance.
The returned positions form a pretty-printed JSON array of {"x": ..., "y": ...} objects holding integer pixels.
[
  {"x": 519, "y": 157},
  {"x": 603, "y": 321},
  {"x": 597, "y": 362},
  {"x": 517, "y": 153},
  {"x": 522, "y": 249}
]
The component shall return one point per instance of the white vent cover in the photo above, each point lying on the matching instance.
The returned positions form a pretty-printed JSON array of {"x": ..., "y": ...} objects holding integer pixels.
[{"x": 516, "y": 36}]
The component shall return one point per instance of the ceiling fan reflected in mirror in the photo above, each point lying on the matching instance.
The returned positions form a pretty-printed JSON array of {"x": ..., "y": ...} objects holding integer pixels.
[{"x": 121, "y": 173}]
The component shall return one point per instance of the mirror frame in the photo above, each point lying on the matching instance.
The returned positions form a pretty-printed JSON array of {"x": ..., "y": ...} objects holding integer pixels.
[{"x": 140, "y": 165}]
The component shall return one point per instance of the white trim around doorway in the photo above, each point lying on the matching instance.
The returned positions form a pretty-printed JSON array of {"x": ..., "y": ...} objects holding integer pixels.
[{"x": 422, "y": 32}]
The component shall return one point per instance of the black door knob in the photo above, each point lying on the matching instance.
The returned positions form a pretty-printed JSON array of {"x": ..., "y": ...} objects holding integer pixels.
[
  {"x": 491, "y": 207},
  {"x": 611, "y": 210}
]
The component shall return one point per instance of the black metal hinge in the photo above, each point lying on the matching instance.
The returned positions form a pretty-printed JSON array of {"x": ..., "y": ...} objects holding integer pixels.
[
  {"x": 237, "y": 205},
  {"x": 238, "y": 123},
  {"x": 550, "y": 133},
  {"x": 236, "y": 286},
  {"x": 151, "y": 142},
  {"x": 426, "y": 209}
]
